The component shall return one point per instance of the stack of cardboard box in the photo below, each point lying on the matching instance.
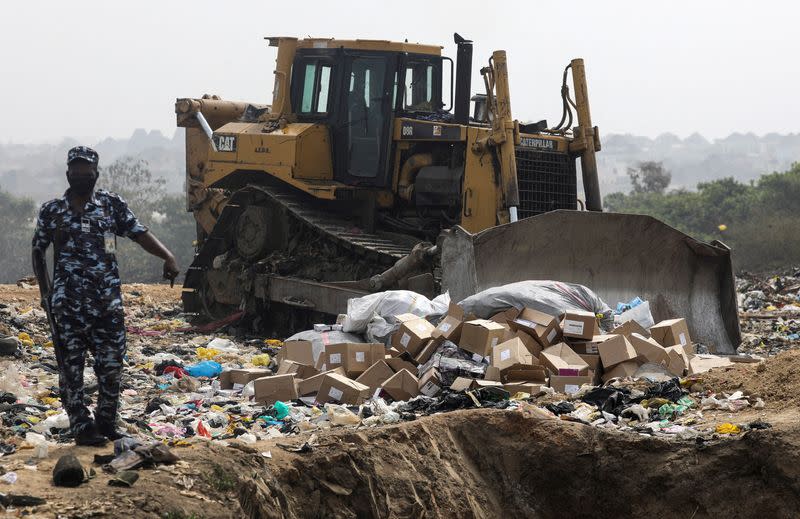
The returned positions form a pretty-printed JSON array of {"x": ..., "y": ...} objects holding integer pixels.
[{"x": 524, "y": 350}]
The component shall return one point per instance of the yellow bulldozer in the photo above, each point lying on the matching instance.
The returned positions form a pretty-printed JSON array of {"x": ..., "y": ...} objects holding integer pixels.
[{"x": 375, "y": 168}]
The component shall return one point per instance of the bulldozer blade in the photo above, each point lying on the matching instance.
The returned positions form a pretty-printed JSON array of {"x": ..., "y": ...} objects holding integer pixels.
[{"x": 619, "y": 256}]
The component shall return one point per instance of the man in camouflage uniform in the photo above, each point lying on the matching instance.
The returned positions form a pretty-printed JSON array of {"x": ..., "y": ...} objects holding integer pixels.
[{"x": 86, "y": 298}]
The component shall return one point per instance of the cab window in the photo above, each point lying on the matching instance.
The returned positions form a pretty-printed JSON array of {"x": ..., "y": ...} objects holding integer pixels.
[
  {"x": 315, "y": 96},
  {"x": 422, "y": 86}
]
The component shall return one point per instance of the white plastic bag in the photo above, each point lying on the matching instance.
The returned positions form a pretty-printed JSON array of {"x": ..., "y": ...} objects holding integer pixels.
[
  {"x": 639, "y": 313},
  {"x": 362, "y": 310}
]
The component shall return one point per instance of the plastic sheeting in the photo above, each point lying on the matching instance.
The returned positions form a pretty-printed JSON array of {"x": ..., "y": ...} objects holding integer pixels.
[
  {"x": 373, "y": 314},
  {"x": 550, "y": 297}
]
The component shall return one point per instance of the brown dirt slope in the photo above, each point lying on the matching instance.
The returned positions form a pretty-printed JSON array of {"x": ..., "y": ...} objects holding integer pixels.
[{"x": 777, "y": 380}]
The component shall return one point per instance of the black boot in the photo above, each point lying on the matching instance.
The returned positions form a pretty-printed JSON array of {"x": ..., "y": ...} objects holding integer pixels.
[
  {"x": 110, "y": 431},
  {"x": 89, "y": 436}
]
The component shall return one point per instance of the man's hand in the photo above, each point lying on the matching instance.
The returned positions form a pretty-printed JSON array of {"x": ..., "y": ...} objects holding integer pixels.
[
  {"x": 151, "y": 244},
  {"x": 171, "y": 270}
]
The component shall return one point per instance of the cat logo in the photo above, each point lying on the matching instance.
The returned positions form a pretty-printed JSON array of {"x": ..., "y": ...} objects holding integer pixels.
[
  {"x": 437, "y": 130},
  {"x": 225, "y": 142}
]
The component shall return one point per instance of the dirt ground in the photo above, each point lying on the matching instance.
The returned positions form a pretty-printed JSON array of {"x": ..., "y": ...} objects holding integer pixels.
[{"x": 474, "y": 463}]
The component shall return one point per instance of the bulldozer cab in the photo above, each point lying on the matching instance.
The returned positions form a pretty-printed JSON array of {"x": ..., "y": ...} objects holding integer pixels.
[{"x": 358, "y": 94}]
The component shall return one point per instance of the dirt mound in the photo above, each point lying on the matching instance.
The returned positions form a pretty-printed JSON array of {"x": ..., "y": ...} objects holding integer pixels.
[
  {"x": 490, "y": 463},
  {"x": 777, "y": 380}
]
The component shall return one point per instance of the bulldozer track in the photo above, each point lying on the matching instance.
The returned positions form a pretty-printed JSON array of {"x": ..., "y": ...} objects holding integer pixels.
[{"x": 382, "y": 249}]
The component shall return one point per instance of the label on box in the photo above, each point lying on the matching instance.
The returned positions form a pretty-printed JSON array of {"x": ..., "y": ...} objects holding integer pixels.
[
  {"x": 429, "y": 389},
  {"x": 404, "y": 340},
  {"x": 505, "y": 354},
  {"x": 591, "y": 348},
  {"x": 445, "y": 327},
  {"x": 551, "y": 335},
  {"x": 477, "y": 358},
  {"x": 574, "y": 327},
  {"x": 361, "y": 356},
  {"x": 682, "y": 338},
  {"x": 494, "y": 342},
  {"x": 336, "y": 394},
  {"x": 336, "y": 358},
  {"x": 525, "y": 322},
  {"x": 569, "y": 372},
  {"x": 237, "y": 387},
  {"x": 571, "y": 389}
]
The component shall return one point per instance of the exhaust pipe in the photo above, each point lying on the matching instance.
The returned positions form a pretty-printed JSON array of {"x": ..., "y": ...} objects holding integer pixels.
[{"x": 463, "y": 79}]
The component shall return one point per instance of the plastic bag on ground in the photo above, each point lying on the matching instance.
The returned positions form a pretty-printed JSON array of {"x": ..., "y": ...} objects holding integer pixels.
[
  {"x": 361, "y": 311},
  {"x": 207, "y": 368},
  {"x": 340, "y": 415},
  {"x": 320, "y": 339},
  {"x": 550, "y": 297}
]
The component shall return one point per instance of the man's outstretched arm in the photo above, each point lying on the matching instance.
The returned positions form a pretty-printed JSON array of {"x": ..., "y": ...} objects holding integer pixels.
[{"x": 153, "y": 245}]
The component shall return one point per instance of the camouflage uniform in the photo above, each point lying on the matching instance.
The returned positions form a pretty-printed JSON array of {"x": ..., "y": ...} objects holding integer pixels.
[{"x": 87, "y": 300}]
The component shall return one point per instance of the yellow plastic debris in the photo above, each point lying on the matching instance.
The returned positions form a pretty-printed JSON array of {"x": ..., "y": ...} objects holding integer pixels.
[
  {"x": 722, "y": 227},
  {"x": 260, "y": 360},
  {"x": 25, "y": 339},
  {"x": 275, "y": 343},
  {"x": 49, "y": 400},
  {"x": 48, "y": 344},
  {"x": 217, "y": 408},
  {"x": 728, "y": 428},
  {"x": 207, "y": 353},
  {"x": 771, "y": 308}
]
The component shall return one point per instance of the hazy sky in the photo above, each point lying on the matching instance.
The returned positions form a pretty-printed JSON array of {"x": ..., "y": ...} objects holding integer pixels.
[{"x": 91, "y": 69}]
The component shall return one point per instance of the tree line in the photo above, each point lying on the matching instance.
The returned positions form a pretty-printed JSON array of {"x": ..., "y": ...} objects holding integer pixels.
[
  {"x": 757, "y": 219},
  {"x": 164, "y": 214}
]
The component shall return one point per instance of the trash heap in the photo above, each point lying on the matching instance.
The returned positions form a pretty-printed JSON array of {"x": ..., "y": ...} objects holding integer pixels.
[
  {"x": 542, "y": 347},
  {"x": 770, "y": 312}
]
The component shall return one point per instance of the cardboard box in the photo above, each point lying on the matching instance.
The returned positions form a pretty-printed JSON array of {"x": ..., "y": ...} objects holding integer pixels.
[
  {"x": 399, "y": 363},
  {"x": 311, "y": 385},
  {"x": 586, "y": 347},
  {"x": 704, "y": 362},
  {"x": 236, "y": 378},
  {"x": 464, "y": 384},
  {"x": 647, "y": 349},
  {"x": 579, "y": 324},
  {"x": 492, "y": 373},
  {"x": 614, "y": 349},
  {"x": 427, "y": 351},
  {"x": 509, "y": 354},
  {"x": 505, "y": 316},
  {"x": 431, "y": 384},
  {"x": 376, "y": 375},
  {"x": 297, "y": 351},
  {"x": 449, "y": 328},
  {"x": 630, "y": 327},
  {"x": 561, "y": 360},
  {"x": 479, "y": 336},
  {"x": 341, "y": 390},
  {"x": 355, "y": 358},
  {"x": 623, "y": 369},
  {"x": 570, "y": 385},
  {"x": 671, "y": 332},
  {"x": 536, "y": 374},
  {"x": 412, "y": 335},
  {"x": 593, "y": 361},
  {"x": 269, "y": 390},
  {"x": 532, "y": 388},
  {"x": 401, "y": 386},
  {"x": 300, "y": 371},
  {"x": 539, "y": 325},
  {"x": 677, "y": 360},
  {"x": 534, "y": 348}
]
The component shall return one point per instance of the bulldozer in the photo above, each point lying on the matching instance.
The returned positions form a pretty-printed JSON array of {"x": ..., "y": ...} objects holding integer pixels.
[{"x": 375, "y": 167}]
